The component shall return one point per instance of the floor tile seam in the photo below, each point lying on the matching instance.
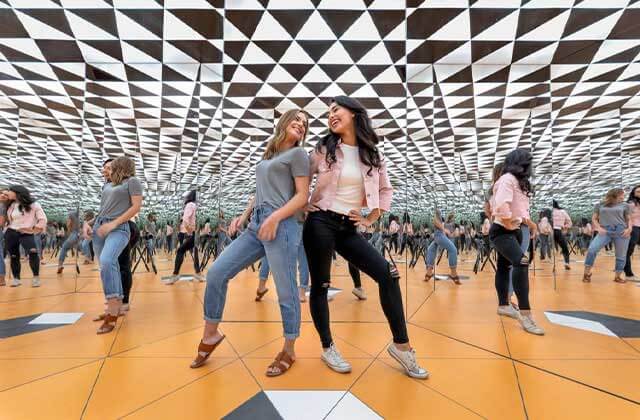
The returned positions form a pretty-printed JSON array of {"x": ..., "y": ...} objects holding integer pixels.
[
  {"x": 37, "y": 297},
  {"x": 173, "y": 391},
  {"x": 93, "y": 386},
  {"x": 88, "y": 362},
  {"x": 515, "y": 370}
]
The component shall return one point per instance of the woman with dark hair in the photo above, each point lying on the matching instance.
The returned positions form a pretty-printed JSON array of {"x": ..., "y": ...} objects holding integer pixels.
[
  {"x": 188, "y": 232},
  {"x": 612, "y": 220},
  {"x": 85, "y": 246},
  {"x": 510, "y": 210},
  {"x": 442, "y": 239},
  {"x": 545, "y": 230},
  {"x": 282, "y": 189},
  {"x": 351, "y": 174},
  {"x": 634, "y": 207},
  {"x": 25, "y": 218},
  {"x": 4, "y": 203},
  {"x": 169, "y": 236},
  {"x": 121, "y": 200},
  {"x": 561, "y": 223}
]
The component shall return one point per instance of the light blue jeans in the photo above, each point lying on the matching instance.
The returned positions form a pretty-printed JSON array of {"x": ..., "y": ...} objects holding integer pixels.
[
  {"x": 150, "y": 246},
  {"x": 282, "y": 252},
  {"x": 107, "y": 250},
  {"x": 440, "y": 240},
  {"x": 71, "y": 242},
  {"x": 303, "y": 267},
  {"x": 85, "y": 247},
  {"x": 2, "y": 266},
  {"x": 614, "y": 234}
]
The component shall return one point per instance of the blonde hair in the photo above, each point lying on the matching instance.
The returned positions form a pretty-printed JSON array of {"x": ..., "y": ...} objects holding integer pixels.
[
  {"x": 275, "y": 143},
  {"x": 612, "y": 195},
  {"x": 121, "y": 169}
]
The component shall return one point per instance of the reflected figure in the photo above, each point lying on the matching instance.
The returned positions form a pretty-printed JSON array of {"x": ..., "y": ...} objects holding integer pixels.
[
  {"x": 441, "y": 240},
  {"x": 612, "y": 222},
  {"x": 25, "y": 217},
  {"x": 561, "y": 224},
  {"x": 4, "y": 203},
  {"x": 634, "y": 207},
  {"x": 73, "y": 229},
  {"x": 188, "y": 243},
  {"x": 510, "y": 210}
]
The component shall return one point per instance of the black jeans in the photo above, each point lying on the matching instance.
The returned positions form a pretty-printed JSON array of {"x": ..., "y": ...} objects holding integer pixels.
[
  {"x": 124, "y": 260},
  {"x": 355, "y": 276},
  {"x": 325, "y": 232},
  {"x": 635, "y": 237},
  {"x": 561, "y": 240},
  {"x": 13, "y": 240},
  {"x": 188, "y": 244},
  {"x": 507, "y": 243}
]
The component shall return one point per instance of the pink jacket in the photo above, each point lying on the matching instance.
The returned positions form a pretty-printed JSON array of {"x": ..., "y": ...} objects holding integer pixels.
[
  {"x": 188, "y": 217},
  {"x": 508, "y": 200},
  {"x": 377, "y": 187},
  {"x": 635, "y": 214},
  {"x": 34, "y": 218},
  {"x": 561, "y": 219}
]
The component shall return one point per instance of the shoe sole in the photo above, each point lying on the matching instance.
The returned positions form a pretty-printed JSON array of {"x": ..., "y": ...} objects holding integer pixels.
[
  {"x": 532, "y": 332},
  {"x": 508, "y": 315},
  {"x": 407, "y": 371},
  {"x": 336, "y": 368},
  {"x": 359, "y": 297}
]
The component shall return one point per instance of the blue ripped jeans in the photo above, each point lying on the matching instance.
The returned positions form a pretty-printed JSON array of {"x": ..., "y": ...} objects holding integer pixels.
[
  {"x": 303, "y": 267},
  {"x": 282, "y": 253},
  {"x": 107, "y": 250},
  {"x": 614, "y": 234}
]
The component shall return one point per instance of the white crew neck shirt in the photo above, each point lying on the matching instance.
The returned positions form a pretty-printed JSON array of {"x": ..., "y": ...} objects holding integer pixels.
[{"x": 350, "y": 191}]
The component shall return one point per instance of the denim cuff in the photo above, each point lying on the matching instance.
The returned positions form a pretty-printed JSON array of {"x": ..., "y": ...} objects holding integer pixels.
[
  {"x": 216, "y": 320},
  {"x": 114, "y": 296},
  {"x": 291, "y": 336}
]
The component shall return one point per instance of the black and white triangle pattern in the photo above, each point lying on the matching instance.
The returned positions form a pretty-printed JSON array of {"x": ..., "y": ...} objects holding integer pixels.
[{"x": 192, "y": 89}]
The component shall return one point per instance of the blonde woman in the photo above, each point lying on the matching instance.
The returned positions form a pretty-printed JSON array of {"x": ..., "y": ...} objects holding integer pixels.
[
  {"x": 612, "y": 220},
  {"x": 121, "y": 200},
  {"x": 282, "y": 190}
]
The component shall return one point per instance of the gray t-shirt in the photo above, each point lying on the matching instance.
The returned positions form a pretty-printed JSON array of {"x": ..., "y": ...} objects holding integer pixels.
[
  {"x": 275, "y": 184},
  {"x": 116, "y": 199},
  {"x": 150, "y": 227},
  {"x": 613, "y": 215},
  {"x": 75, "y": 221}
]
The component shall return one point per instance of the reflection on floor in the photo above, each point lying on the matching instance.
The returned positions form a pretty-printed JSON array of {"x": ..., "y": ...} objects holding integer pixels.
[{"x": 481, "y": 366}]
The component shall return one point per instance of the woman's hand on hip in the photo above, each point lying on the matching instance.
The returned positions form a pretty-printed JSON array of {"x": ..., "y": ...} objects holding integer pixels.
[
  {"x": 269, "y": 228},
  {"x": 105, "y": 229}
]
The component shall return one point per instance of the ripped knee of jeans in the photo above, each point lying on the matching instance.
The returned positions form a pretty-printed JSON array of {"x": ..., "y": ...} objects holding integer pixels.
[
  {"x": 326, "y": 285},
  {"x": 524, "y": 262},
  {"x": 395, "y": 274},
  {"x": 33, "y": 251}
]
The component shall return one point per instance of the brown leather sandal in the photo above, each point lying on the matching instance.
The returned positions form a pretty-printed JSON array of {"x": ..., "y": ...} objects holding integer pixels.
[
  {"x": 102, "y": 317},
  {"x": 456, "y": 279},
  {"x": 260, "y": 295},
  {"x": 282, "y": 363},
  {"x": 207, "y": 349},
  {"x": 108, "y": 325},
  {"x": 428, "y": 277},
  {"x": 586, "y": 278},
  {"x": 619, "y": 280}
]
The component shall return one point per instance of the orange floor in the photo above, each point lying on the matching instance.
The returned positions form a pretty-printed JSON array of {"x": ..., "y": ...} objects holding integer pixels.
[{"x": 482, "y": 366}]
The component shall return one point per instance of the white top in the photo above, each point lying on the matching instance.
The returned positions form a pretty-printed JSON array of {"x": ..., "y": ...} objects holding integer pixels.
[{"x": 350, "y": 191}]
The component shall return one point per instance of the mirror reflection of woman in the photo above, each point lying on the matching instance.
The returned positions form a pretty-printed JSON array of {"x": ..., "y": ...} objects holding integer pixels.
[
  {"x": 4, "y": 203},
  {"x": 634, "y": 207},
  {"x": 188, "y": 243},
  {"x": 282, "y": 190},
  {"x": 73, "y": 230},
  {"x": 120, "y": 201},
  {"x": 510, "y": 210},
  {"x": 25, "y": 218},
  {"x": 612, "y": 221},
  {"x": 442, "y": 239},
  {"x": 351, "y": 175},
  {"x": 561, "y": 224}
]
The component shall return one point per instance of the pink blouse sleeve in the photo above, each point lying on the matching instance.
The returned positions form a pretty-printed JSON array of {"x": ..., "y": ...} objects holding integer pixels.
[
  {"x": 567, "y": 220},
  {"x": 386, "y": 190},
  {"x": 41, "y": 218},
  {"x": 314, "y": 160},
  {"x": 503, "y": 197}
]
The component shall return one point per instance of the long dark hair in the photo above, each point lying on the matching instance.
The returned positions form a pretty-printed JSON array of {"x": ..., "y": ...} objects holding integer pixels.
[
  {"x": 518, "y": 164},
  {"x": 23, "y": 197},
  {"x": 556, "y": 205},
  {"x": 190, "y": 198},
  {"x": 632, "y": 196},
  {"x": 366, "y": 137}
]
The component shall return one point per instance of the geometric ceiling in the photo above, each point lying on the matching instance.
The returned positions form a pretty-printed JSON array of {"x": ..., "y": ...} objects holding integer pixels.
[{"x": 192, "y": 89}]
